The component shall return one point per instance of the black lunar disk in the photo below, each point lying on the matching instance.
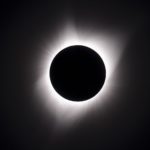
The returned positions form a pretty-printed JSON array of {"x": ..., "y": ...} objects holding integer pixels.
[{"x": 77, "y": 73}]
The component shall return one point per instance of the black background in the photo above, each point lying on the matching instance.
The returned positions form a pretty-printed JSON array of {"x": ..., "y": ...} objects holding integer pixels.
[{"x": 24, "y": 25}]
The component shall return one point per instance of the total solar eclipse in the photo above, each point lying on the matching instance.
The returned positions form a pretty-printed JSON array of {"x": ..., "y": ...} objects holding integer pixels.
[{"x": 77, "y": 73}]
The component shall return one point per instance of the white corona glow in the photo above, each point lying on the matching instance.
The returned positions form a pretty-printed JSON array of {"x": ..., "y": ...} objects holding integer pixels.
[{"x": 108, "y": 46}]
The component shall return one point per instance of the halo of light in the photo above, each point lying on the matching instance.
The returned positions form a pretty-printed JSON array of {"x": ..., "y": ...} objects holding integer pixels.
[{"x": 108, "y": 46}]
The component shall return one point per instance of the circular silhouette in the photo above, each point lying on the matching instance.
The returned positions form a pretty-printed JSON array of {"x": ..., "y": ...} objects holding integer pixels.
[{"x": 77, "y": 73}]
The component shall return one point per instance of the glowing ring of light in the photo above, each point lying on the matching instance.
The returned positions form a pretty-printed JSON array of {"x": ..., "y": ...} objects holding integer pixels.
[{"x": 106, "y": 45}]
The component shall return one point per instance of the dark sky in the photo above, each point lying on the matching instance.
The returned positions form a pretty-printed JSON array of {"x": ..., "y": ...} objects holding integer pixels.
[{"x": 124, "y": 125}]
